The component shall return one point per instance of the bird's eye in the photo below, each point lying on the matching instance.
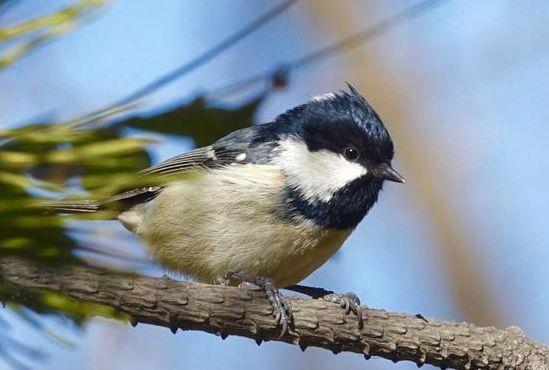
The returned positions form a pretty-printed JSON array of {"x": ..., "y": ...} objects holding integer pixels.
[{"x": 351, "y": 153}]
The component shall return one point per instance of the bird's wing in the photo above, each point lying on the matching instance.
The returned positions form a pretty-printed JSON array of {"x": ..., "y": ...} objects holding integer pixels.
[
  {"x": 240, "y": 147},
  {"x": 237, "y": 147},
  {"x": 206, "y": 157}
]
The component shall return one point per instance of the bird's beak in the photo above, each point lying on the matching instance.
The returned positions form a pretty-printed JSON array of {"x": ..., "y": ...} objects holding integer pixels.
[{"x": 386, "y": 172}]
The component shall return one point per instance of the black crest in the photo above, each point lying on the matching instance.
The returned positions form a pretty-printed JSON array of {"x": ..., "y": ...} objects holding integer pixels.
[{"x": 333, "y": 121}]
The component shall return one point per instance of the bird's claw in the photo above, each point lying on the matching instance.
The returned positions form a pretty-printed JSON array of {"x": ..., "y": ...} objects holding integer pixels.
[
  {"x": 282, "y": 310},
  {"x": 349, "y": 302}
]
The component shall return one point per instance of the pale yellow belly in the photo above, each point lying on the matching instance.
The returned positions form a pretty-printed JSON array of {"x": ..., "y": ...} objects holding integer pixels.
[
  {"x": 283, "y": 253},
  {"x": 294, "y": 267},
  {"x": 190, "y": 228}
]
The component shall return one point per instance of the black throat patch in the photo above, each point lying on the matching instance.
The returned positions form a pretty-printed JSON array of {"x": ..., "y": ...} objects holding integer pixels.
[{"x": 345, "y": 209}]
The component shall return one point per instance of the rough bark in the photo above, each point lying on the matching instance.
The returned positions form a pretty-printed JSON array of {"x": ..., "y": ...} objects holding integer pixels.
[{"x": 238, "y": 311}]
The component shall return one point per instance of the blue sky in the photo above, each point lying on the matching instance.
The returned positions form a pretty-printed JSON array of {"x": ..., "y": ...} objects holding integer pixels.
[{"x": 484, "y": 71}]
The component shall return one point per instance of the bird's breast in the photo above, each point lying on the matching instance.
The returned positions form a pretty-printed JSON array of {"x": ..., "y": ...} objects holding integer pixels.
[{"x": 232, "y": 220}]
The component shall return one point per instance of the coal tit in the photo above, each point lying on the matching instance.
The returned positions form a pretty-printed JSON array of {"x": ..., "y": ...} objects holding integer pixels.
[{"x": 269, "y": 203}]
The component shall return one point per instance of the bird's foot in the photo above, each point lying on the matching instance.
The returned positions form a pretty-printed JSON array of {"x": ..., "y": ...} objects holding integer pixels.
[
  {"x": 282, "y": 309},
  {"x": 348, "y": 301}
]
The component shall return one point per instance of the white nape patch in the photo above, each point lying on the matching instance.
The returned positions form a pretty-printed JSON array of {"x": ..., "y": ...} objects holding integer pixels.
[
  {"x": 317, "y": 174},
  {"x": 327, "y": 96},
  {"x": 240, "y": 157},
  {"x": 211, "y": 154}
]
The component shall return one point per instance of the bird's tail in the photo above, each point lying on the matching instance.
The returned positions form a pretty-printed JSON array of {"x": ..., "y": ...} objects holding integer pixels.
[
  {"x": 84, "y": 206},
  {"x": 120, "y": 202}
]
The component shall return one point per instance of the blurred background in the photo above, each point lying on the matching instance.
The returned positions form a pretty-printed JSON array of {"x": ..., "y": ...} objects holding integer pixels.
[{"x": 462, "y": 86}]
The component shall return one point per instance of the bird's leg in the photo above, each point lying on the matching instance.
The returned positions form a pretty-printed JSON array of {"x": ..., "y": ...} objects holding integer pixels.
[
  {"x": 281, "y": 308},
  {"x": 349, "y": 301}
]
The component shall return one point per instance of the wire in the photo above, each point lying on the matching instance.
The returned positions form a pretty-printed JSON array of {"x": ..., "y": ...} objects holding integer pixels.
[
  {"x": 207, "y": 55},
  {"x": 279, "y": 74},
  {"x": 5, "y": 5},
  {"x": 277, "y": 77}
]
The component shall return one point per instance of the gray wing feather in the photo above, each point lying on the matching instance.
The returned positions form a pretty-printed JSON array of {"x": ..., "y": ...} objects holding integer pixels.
[
  {"x": 224, "y": 152},
  {"x": 206, "y": 157}
]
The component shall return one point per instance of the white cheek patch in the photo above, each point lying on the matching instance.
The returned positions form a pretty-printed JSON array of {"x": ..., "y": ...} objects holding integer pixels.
[{"x": 318, "y": 175}]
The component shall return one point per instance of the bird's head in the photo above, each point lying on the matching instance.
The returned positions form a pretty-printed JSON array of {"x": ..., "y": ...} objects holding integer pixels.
[{"x": 336, "y": 154}]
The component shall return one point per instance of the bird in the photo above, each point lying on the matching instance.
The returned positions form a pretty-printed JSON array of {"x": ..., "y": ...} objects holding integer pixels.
[{"x": 268, "y": 204}]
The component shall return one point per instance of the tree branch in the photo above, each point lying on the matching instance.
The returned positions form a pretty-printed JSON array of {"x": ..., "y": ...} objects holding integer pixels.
[{"x": 236, "y": 311}]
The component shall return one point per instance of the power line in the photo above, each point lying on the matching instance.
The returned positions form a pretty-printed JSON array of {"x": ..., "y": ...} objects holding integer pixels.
[
  {"x": 207, "y": 55},
  {"x": 279, "y": 74},
  {"x": 5, "y": 5}
]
